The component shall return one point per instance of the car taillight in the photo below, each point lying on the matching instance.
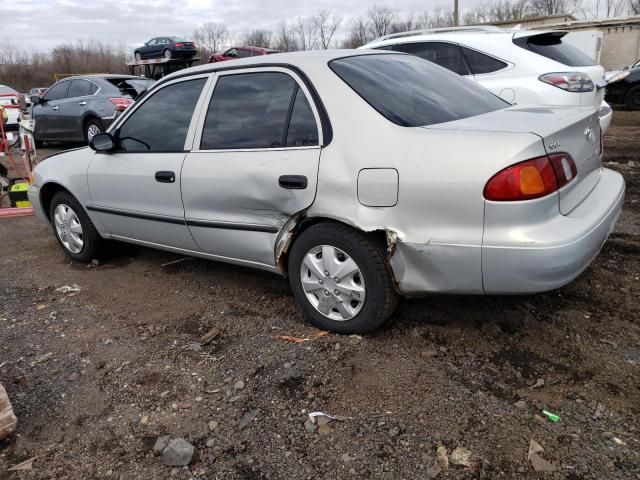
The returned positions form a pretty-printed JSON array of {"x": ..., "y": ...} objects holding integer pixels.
[
  {"x": 121, "y": 103},
  {"x": 530, "y": 179},
  {"x": 179, "y": 45},
  {"x": 569, "y": 81}
]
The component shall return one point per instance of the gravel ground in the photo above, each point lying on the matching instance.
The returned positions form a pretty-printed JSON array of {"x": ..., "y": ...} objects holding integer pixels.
[{"x": 453, "y": 387}]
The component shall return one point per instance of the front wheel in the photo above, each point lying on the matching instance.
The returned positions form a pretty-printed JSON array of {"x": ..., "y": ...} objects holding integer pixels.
[
  {"x": 168, "y": 55},
  {"x": 341, "y": 279},
  {"x": 73, "y": 228}
]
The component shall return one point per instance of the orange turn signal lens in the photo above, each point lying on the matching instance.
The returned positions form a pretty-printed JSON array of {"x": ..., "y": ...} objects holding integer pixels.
[{"x": 531, "y": 182}]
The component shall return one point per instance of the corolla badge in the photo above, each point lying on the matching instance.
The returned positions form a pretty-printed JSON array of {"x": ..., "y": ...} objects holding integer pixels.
[{"x": 588, "y": 133}]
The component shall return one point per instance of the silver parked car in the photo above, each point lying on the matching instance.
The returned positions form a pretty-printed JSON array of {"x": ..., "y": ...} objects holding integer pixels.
[{"x": 359, "y": 175}]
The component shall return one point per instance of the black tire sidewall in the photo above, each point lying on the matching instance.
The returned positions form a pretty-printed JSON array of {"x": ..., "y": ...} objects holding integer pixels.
[
  {"x": 370, "y": 316},
  {"x": 89, "y": 234}
]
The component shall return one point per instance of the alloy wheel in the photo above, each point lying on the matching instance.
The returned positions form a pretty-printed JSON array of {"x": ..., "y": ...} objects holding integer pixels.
[
  {"x": 92, "y": 131},
  {"x": 68, "y": 228},
  {"x": 332, "y": 282}
]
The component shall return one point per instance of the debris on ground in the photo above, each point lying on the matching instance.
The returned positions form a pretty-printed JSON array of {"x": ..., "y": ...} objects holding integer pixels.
[
  {"x": 161, "y": 443},
  {"x": 461, "y": 456},
  {"x": 442, "y": 456},
  {"x": 599, "y": 412},
  {"x": 8, "y": 420},
  {"x": 538, "y": 463},
  {"x": 26, "y": 465},
  {"x": 67, "y": 289},
  {"x": 539, "y": 383},
  {"x": 322, "y": 418},
  {"x": 178, "y": 453},
  {"x": 175, "y": 261},
  {"x": 209, "y": 336},
  {"x": 551, "y": 416},
  {"x": 289, "y": 338}
]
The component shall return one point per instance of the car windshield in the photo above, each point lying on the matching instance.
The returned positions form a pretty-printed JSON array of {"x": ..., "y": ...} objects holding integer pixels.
[
  {"x": 551, "y": 46},
  {"x": 413, "y": 92}
]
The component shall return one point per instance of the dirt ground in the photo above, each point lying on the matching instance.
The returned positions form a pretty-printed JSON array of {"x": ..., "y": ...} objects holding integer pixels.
[{"x": 96, "y": 376}]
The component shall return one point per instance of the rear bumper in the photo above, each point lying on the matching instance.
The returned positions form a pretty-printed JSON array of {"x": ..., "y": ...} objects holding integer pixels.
[{"x": 557, "y": 250}]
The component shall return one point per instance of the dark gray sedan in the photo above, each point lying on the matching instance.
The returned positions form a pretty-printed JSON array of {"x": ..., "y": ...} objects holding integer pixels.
[{"x": 77, "y": 108}]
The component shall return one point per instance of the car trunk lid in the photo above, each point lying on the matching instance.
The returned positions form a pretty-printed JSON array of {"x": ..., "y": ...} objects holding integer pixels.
[{"x": 572, "y": 130}]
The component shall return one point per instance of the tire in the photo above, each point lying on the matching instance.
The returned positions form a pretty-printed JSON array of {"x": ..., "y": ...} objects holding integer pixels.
[
  {"x": 138, "y": 56},
  {"x": 632, "y": 98},
  {"x": 167, "y": 54},
  {"x": 373, "y": 278},
  {"x": 91, "y": 242},
  {"x": 90, "y": 127}
]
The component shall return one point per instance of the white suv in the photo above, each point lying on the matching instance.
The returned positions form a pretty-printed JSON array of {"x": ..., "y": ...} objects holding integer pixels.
[{"x": 521, "y": 66}]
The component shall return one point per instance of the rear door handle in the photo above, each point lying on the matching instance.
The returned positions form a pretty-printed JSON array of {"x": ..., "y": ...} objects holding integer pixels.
[
  {"x": 55, "y": 108},
  {"x": 83, "y": 103},
  {"x": 293, "y": 182},
  {"x": 164, "y": 176}
]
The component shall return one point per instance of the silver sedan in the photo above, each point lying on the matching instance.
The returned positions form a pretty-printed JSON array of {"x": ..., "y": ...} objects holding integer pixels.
[{"x": 361, "y": 176}]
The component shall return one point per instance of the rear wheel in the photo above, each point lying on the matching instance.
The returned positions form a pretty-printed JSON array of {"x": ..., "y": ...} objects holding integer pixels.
[
  {"x": 168, "y": 55},
  {"x": 138, "y": 56},
  {"x": 340, "y": 278},
  {"x": 73, "y": 228},
  {"x": 91, "y": 129},
  {"x": 632, "y": 98}
]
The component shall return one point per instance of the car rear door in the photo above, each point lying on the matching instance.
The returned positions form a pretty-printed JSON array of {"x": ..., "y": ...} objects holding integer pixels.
[
  {"x": 73, "y": 108},
  {"x": 135, "y": 190},
  {"x": 254, "y": 163},
  {"x": 47, "y": 113}
]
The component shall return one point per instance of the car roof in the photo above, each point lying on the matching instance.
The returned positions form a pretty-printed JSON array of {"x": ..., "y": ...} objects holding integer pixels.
[
  {"x": 104, "y": 76},
  {"x": 302, "y": 60}
]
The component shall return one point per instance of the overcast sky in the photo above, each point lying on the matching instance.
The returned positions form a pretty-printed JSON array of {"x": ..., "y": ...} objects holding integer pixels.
[
  {"x": 42, "y": 24},
  {"x": 39, "y": 25}
]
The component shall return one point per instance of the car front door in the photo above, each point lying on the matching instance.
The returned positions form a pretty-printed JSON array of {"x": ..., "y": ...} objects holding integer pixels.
[
  {"x": 47, "y": 113},
  {"x": 73, "y": 108},
  {"x": 447, "y": 55},
  {"x": 135, "y": 190},
  {"x": 149, "y": 49},
  {"x": 254, "y": 164}
]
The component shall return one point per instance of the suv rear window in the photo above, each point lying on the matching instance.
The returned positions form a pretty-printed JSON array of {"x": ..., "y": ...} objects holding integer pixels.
[
  {"x": 550, "y": 45},
  {"x": 412, "y": 92}
]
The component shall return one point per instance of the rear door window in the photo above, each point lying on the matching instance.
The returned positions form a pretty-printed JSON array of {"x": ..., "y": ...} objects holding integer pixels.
[
  {"x": 411, "y": 92},
  {"x": 80, "y": 88},
  {"x": 447, "y": 55},
  {"x": 551, "y": 45},
  {"x": 161, "y": 123},
  {"x": 303, "y": 130},
  {"x": 481, "y": 63},
  {"x": 249, "y": 110}
]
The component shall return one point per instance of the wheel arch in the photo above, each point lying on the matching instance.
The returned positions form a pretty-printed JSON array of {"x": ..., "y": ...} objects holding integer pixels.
[
  {"x": 47, "y": 192},
  {"x": 299, "y": 223}
]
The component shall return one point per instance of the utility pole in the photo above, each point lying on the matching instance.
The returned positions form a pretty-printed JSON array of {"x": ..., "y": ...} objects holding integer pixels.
[{"x": 456, "y": 16}]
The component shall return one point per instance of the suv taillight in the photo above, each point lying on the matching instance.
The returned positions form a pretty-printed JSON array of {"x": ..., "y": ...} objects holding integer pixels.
[
  {"x": 530, "y": 179},
  {"x": 569, "y": 81},
  {"x": 121, "y": 103}
]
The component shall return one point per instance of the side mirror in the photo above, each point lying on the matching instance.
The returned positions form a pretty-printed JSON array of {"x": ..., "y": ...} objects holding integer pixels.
[
  {"x": 102, "y": 142},
  {"x": 35, "y": 99}
]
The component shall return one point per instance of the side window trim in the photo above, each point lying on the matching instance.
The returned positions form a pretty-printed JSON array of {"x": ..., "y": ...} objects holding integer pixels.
[
  {"x": 195, "y": 117},
  {"x": 300, "y": 85}
]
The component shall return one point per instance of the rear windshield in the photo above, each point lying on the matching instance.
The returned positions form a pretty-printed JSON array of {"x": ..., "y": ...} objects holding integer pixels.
[
  {"x": 131, "y": 86},
  {"x": 413, "y": 92},
  {"x": 552, "y": 46}
]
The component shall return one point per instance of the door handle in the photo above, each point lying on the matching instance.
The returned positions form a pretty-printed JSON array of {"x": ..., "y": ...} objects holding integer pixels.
[
  {"x": 83, "y": 103},
  {"x": 164, "y": 176},
  {"x": 55, "y": 108},
  {"x": 293, "y": 182}
]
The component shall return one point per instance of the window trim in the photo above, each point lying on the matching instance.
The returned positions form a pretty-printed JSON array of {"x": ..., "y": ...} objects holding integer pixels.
[
  {"x": 259, "y": 69},
  {"x": 188, "y": 144}
]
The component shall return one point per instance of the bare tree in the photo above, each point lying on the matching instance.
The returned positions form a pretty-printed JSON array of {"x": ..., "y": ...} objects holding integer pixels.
[
  {"x": 604, "y": 8},
  {"x": 436, "y": 18},
  {"x": 259, "y": 37},
  {"x": 380, "y": 20},
  {"x": 212, "y": 36},
  {"x": 285, "y": 38},
  {"x": 358, "y": 33},
  {"x": 498, "y": 10},
  {"x": 554, "y": 7},
  {"x": 325, "y": 24},
  {"x": 306, "y": 34},
  {"x": 634, "y": 7}
]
